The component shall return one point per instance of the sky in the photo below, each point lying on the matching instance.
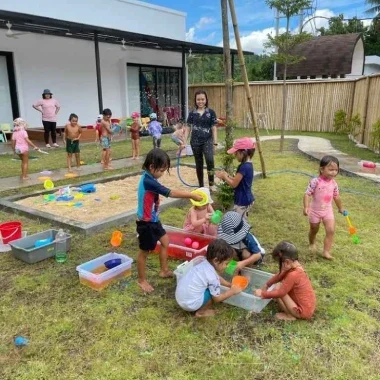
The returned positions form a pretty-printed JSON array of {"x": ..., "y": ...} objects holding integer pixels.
[{"x": 255, "y": 19}]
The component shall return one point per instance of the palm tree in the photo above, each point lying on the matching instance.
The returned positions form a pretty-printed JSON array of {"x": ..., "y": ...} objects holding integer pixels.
[{"x": 375, "y": 7}]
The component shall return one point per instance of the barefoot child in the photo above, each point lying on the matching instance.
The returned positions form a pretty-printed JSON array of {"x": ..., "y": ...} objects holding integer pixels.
[
  {"x": 200, "y": 287},
  {"x": 149, "y": 227},
  {"x": 178, "y": 137},
  {"x": 323, "y": 190},
  {"x": 155, "y": 130},
  {"x": 294, "y": 292},
  {"x": 105, "y": 139},
  {"x": 198, "y": 217},
  {"x": 20, "y": 146},
  {"x": 71, "y": 137},
  {"x": 244, "y": 150},
  {"x": 135, "y": 135}
]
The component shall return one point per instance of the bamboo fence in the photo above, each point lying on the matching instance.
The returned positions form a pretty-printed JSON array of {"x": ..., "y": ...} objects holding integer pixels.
[{"x": 311, "y": 104}]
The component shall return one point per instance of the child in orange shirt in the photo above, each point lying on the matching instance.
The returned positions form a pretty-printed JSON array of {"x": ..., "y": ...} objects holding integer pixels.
[{"x": 294, "y": 292}]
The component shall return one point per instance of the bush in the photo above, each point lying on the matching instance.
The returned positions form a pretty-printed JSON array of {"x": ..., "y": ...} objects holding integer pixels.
[
  {"x": 343, "y": 125},
  {"x": 375, "y": 136}
]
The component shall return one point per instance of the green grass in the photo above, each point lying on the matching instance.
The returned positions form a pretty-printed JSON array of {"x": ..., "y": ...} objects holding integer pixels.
[{"x": 77, "y": 333}]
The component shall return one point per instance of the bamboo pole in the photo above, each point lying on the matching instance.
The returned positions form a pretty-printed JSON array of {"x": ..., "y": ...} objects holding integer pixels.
[
  {"x": 365, "y": 111},
  {"x": 246, "y": 84}
]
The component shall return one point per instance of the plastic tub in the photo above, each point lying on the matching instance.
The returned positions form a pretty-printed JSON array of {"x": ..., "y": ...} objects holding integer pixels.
[
  {"x": 24, "y": 249},
  {"x": 177, "y": 248},
  {"x": 95, "y": 275}
]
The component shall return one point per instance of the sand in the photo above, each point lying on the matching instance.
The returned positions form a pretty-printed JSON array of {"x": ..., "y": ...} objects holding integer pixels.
[{"x": 99, "y": 205}]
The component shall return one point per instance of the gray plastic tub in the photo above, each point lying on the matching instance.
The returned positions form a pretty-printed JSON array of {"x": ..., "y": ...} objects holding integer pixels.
[{"x": 24, "y": 249}]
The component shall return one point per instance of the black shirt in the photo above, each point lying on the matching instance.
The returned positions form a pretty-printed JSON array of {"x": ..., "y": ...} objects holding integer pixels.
[{"x": 201, "y": 125}]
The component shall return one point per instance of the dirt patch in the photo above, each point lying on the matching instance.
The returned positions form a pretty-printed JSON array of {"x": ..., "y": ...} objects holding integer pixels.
[{"x": 111, "y": 198}]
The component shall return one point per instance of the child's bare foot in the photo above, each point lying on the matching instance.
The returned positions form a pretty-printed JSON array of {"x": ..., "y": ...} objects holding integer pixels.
[
  {"x": 145, "y": 286},
  {"x": 327, "y": 256},
  {"x": 285, "y": 317},
  {"x": 166, "y": 273},
  {"x": 70, "y": 170},
  {"x": 206, "y": 313},
  {"x": 313, "y": 248},
  {"x": 25, "y": 178}
]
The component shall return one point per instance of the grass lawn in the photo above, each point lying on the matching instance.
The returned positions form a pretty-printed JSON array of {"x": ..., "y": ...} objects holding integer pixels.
[{"x": 77, "y": 333}]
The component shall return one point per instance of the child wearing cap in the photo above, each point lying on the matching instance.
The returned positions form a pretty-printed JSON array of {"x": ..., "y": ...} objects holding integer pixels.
[
  {"x": 155, "y": 130},
  {"x": 198, "y": 217},
  {"x": 135, "y": 135},
  {"x": 243, "y": 149},
  {"x": 234, "y": 230}
]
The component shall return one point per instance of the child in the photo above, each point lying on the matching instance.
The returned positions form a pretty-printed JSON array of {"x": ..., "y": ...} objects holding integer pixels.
[
  {"x": 105, "y": 139},
  {"x": 98, "y": 128},
  {"x": 244, "y": 150},
  {"x": 71, "y": 137},
  {"x": 135, "y": 135},
  {"x": 178, "y": 137},
  {"x": 149, "y": 227},
  {"x": 294, "y": 291},
  {"x": 155, "y": 129},
  {"x": 20, "y": 146},
  {"x": 198, "y": 217},
  {"x": 234, "y": 229},
  {"x": 323, "y": 190},
  {"x": 198, "y": 288}
]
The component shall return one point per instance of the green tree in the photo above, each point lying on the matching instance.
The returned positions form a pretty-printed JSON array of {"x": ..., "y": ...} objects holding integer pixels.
[
  {"x": 375, "y": 8},
  {"x": 284, "y": 44},
  {"x": 337, "y": 25}
]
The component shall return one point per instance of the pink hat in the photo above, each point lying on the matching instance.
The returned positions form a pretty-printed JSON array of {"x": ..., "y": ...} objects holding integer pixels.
[
  {"x": 243, "y": 143},
  {"x": 135, "y": 114}
]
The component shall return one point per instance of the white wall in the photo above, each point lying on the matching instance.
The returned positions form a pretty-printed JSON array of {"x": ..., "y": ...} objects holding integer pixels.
[
  {"x": 128, "y": 15},
  {"x": 358, "y": 59},
  {"x": 67, "y": 67},
  {"x": 371, "y": 69}
]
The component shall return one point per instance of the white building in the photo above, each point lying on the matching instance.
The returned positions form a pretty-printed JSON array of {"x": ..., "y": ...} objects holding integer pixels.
[
  {"x": 126, "y": 55},
  {"x": 372, "y": 65}
]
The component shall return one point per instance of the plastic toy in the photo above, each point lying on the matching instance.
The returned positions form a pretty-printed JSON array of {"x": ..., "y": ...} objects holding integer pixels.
[
  {"x": 64, "y": 198},
  {"x": 78, "y": 196},
  {"x": 112, "y": 263},
  {"x": 114, "y": 197},
  {"x": 351, "y": 229},
  {"x": 367, "y": 164},
  {"x": 216, "y": 217},
  {"x": 78, "y": 204},
  {"x": 48, "y": 184},
  {"x": 116, "y": 238},
  {"x": 20, "y": 341},
  {"x": 195, "y": 245},
  {"x": 49, "y": 197},
  {"x": 231, "y": 267},
  {"x": 64, "y": 191},
  {"x": 42, "y": 242},
  {"x": 188, "y": 242},
  {"x": 240, "y": 281},
  {"x": 89, "y": 188},
  {"x": 204, "y": 200}
]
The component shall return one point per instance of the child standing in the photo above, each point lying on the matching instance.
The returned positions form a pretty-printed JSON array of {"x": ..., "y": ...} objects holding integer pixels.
[
  {"x": 198, "y": 217},
  {"x": 105, "y": 139},
  {"x": 200, "y": 287},
  {"x": 323, "y": 190},
  {"x": 135, "y": 135},
  {"x": 149, "y": 227},
  {"x": 155, "y": 130},
  {"x": 178, "y": 137},
  {"x": 71, "y": 137},
  {"x": 20, "y": 145},
  {"x": 294, "y": 292},
  {"x": 244, "y": 199},
  {"x": 98, "y": 134},
  {"x": 234, "y": 230}
]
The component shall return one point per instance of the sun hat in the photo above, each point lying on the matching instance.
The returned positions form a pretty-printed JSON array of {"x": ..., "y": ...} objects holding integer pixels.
[
  {"x": 207, "y": 191},
  {"x": 153, "y": 115},
  {"x": 243, "y": 143},
  {"x": 47, "y": 92},
  {"x": 233, "y": 228},
  {"x": 135, "y": 114}
]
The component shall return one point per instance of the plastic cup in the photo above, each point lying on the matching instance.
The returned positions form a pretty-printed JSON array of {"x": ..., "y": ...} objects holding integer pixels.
[
  {"x": 117, "y": 234},
  {"x": 115, "y": 241},
  {"x": 48, "y": 184},
  {"x": 240, "y": 281},
  {"x": 216, "y": 217},
  {"x": 231, "y": 267}
]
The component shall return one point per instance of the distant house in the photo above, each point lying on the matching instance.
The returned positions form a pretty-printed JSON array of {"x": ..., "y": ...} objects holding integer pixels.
[
  {"x": 338, "y": 56},
  {"x": 372, "y": 65}
]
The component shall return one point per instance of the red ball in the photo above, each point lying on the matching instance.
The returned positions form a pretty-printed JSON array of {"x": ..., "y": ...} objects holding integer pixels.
[
  {"x": 188, "y": 242},
  {"x": 195, "y": 245}
]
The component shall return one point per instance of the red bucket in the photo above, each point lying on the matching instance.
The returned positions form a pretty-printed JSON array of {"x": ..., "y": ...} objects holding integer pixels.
[{"x": 10, "y": 231}]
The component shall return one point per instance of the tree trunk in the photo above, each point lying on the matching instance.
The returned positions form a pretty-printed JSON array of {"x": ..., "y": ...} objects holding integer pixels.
[
  {"x": 246, "y": 84},
  {"x": 228, "y": 81}
]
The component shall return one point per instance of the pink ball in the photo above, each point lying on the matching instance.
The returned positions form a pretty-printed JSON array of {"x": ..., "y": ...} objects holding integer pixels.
[
  {"x": 195, "y": 245},
  {"x": 188, "y": 242}
]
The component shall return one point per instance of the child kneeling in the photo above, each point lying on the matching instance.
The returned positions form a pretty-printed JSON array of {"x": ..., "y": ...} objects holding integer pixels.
[
  {"x": 294, "y": 292},
  {"x": 200, "y": 287},
  {"x": 234, "y": 230}
]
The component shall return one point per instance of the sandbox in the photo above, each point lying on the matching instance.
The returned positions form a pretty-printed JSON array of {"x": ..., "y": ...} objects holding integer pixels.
[{"x": 113, "y": 203}]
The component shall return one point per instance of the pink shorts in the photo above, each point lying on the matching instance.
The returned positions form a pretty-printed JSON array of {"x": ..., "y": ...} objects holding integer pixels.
[{"x": 316, "y": 216}]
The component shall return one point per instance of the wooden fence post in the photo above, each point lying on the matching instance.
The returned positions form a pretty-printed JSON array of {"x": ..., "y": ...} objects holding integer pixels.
[{"x": 365, "y": 111}]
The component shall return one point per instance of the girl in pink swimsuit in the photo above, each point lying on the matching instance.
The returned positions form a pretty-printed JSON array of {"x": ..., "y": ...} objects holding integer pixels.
[
  {"x": 322, "y": 191},
  {"x": 20, "y": 145}
]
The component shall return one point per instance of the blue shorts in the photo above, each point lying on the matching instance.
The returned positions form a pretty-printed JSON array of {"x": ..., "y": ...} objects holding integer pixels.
[
  {"x": 206, "y": 297},
  {"x": 105, "y": 142}
]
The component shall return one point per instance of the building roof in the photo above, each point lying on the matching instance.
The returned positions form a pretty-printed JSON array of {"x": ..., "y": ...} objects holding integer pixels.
[
  {"x": 325, "y": 55},
  {"x": 49, "y": 26}
]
